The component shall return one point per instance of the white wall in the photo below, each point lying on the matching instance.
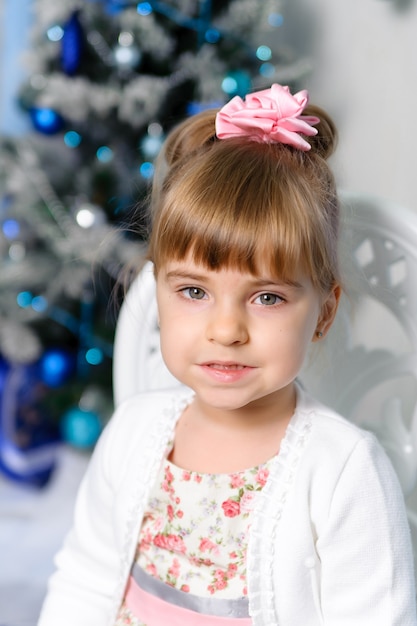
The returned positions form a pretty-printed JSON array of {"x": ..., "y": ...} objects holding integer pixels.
[
  {"x": 364, "y": 55},
  {"x": 364, "y": 59}
]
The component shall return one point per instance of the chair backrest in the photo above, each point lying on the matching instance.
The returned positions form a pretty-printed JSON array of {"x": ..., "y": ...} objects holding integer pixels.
[
  {"x": 366, "y": 368},
  {"x": 137, "y": 360}
]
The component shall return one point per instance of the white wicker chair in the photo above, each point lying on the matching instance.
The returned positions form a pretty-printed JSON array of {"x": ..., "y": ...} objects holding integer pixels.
[{"x": 367, "y": 366}]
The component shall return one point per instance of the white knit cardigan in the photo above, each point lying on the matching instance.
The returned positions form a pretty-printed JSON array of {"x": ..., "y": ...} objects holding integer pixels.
[{"x": 329, "y": 542}]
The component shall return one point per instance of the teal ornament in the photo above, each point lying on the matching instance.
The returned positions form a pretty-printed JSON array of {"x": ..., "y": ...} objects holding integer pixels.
[
  {"x": 144, "y": 8},
  {"x": 212, "y": 35},
  {"x": 151, "y": 146},
  {"x": 147, "y": 170},
  {"x": 237, "y": 83},
  {"x": 80, "y": 428},
  {"x": 72, "y": 139}
]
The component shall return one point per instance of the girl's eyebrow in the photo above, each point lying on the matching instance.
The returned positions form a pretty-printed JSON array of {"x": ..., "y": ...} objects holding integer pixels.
[
  {"x": 257, "y": 281},
  {"x": 177, "y": 274},
  {"x": 281, "y": 282}
]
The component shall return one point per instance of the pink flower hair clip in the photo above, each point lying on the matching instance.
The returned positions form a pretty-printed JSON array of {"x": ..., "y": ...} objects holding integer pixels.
[{"x": 271, "y": 116}]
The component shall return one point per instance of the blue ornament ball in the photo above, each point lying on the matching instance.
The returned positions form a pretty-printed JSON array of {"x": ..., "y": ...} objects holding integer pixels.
[
  {"x": 29, "y": 439},
  {"x": 80, "y": 428},
  {"x": 197, "y": 107},
  {"x": 4, "y": 370},
  {"x": 56, "y": 365},
  {"x": 46, "y": 121},
  {"x": 72, "y": 45}
]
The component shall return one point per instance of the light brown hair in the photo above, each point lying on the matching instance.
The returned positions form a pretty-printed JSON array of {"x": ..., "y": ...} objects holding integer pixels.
[{"x": 237, "y": 202}]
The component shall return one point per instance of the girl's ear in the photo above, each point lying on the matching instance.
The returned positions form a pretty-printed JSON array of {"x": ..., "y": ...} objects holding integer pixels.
[{"x": 328, "y": 312}]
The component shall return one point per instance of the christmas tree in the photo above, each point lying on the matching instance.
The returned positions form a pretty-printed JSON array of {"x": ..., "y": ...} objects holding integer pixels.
[{"x": 107, "y": 80}]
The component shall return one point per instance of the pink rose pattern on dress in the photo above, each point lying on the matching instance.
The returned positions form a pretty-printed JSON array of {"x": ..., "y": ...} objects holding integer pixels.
[
  {"x": 194, "y": 534},
  {"x": 204, "y": 542}
]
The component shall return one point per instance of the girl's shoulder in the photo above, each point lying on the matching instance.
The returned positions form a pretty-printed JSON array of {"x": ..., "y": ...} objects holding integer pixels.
[
  {"x": 339, "y": 449},
  {"x": 327, "y": 420},
  {"x": 343, "y": 463},
  {"x": 145, "y": 416},
  {"x": 333, "y": 438}
]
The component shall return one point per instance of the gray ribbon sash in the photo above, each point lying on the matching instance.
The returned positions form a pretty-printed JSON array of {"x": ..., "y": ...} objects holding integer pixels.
[{"x": 218, "y": 607}]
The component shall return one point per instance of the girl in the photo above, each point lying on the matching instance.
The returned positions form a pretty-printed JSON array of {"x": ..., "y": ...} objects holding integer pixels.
[{"x": 239, "y": 500}]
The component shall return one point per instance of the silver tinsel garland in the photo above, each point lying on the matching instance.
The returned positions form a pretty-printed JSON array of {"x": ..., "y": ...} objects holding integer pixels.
[{"x": 33, "y": 168}]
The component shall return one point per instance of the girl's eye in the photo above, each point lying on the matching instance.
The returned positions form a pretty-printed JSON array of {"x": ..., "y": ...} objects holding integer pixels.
[
  {"x": 194, "y": 293},
  {"x": 268, "y": 299}
]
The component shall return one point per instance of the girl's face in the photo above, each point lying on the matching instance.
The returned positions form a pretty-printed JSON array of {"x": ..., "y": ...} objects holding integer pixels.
[{"x": 236, "y": 339}]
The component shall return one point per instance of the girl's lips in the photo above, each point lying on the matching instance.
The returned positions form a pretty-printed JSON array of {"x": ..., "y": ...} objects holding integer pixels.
[
  {"x": 225, "y": 366},
  {"x": 226, "y": 372}
]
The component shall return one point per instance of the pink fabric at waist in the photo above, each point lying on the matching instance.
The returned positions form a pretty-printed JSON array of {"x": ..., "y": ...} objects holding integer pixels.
[{"x": 154, "y": 611}]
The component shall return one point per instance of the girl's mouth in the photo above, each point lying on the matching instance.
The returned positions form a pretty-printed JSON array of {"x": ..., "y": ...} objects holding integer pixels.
[
  {"x": 226, "y": 372},
  {"x": 226, "y": 366}
]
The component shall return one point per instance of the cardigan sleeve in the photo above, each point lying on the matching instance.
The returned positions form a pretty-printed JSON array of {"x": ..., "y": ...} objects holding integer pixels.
[
  {"x": 365, "y": 549},
  {"x": 80, "y": 591}
]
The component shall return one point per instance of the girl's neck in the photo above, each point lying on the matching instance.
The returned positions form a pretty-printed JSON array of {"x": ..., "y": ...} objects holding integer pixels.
[{"x": 212, "y": 440}]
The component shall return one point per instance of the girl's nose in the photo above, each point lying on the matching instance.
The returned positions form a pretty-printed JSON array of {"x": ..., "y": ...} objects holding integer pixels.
[{"x": 227, "y": 327}]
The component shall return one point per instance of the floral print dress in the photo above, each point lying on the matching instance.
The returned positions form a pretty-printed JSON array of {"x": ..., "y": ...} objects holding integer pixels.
[{"x": 195, "y": 530}]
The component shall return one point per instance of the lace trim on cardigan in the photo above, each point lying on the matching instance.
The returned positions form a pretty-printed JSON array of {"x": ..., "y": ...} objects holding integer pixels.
[
  {"x": 158, "y": 438},
  {"x": 266, "y": 517}
]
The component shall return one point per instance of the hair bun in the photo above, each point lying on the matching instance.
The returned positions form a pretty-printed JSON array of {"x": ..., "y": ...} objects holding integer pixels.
[
  {"x": 193, "y": 133},
  {"x": 324, "y": 143}
]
